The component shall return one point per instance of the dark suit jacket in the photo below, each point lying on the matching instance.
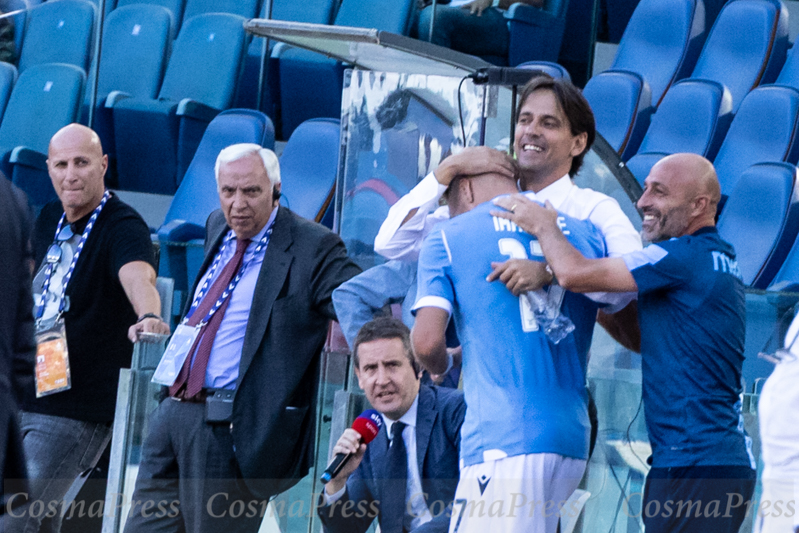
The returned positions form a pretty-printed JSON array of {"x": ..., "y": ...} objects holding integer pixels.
[
  {"x": 438, "y": 427},
  {"x": 275, "y": 402},
  {"x": 17, "y": 349}
]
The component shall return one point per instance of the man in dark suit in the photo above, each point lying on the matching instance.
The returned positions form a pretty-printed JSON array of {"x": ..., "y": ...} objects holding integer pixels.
[
  {"x": 17, "y": 348},
  {"x": 238, "y": 425},
  {"x": 407, "y": 476}
]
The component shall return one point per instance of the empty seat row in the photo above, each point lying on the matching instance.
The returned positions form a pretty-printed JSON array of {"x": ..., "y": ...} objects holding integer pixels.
[{"x": 746, "y": 47}]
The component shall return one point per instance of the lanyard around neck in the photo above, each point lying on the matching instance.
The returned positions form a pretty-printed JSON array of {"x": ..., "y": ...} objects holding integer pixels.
[
  {"x": 51, "y": 267},
  {"x": 233, "y": 283}
]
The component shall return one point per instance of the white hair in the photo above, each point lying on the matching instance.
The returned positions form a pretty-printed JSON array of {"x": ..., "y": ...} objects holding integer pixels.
[{"x": 238, "y": 151}]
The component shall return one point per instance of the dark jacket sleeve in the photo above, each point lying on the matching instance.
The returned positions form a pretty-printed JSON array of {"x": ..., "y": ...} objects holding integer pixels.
[
  {"x": 334, "y": 267},
  {"x": 24, "y": 347},
  {"x": 355, "y": 511}
]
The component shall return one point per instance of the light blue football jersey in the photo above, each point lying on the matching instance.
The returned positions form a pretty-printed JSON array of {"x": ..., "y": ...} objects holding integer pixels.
[{"x": 523, "y": 393}]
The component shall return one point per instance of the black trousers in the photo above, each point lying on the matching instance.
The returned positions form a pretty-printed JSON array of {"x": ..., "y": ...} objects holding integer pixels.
[
  {"x": 189, "y": 480},
  {"x": 697, "y": 499}
]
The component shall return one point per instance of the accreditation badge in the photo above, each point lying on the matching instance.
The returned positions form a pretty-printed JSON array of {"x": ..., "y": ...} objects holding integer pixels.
[
  {"x": 175, "y": 354},
  {"x": 52, "y": 358}
]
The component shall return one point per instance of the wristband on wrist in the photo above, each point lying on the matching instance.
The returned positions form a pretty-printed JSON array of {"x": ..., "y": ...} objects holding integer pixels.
[{"x": 148, "y": 315}]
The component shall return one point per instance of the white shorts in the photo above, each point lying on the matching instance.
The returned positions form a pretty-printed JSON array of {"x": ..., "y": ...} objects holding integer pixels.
[{"x": 520, "y": 494}]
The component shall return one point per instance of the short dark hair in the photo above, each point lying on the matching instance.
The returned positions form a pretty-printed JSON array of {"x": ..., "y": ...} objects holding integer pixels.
[
  {"x": 574, "y": 105},
  {"x": 385, "y": 327}
]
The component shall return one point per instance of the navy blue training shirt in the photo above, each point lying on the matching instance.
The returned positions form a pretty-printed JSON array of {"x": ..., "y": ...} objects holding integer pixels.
[{"x": 692, "y": 313}]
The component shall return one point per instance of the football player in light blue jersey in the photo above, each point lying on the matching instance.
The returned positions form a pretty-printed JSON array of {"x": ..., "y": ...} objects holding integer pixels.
[
  {"x": 526, "y": 434},
  {"x": 692, "y": 314}
]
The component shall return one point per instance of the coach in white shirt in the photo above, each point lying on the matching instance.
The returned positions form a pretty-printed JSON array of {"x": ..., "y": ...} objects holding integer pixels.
[{"x": 554, "y": 130}]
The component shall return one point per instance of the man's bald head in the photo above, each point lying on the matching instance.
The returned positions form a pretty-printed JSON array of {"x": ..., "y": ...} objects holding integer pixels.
[
  {"x": 77, "y": 134},
  {"x": 77, "y": 167},
  {"x": 681, "y": 196},
  {"x": 467, "y": 192}
]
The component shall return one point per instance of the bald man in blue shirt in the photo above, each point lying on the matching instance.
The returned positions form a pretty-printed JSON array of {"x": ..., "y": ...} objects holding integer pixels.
[{"x": 692, "y": 315}]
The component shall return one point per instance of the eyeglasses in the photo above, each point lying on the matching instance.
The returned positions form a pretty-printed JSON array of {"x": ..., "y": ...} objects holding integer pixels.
[{"x": 54, "y": 252}]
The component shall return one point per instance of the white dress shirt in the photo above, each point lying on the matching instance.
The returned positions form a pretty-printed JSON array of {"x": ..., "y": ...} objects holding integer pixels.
[
  {"x": 404, "y": 241},
  {"x": 413, "y": 489}
]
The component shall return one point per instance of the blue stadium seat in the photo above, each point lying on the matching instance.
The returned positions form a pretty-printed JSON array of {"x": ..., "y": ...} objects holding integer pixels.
[
  {"x": 310, "y": 83},
  {"x": 746, "y": 47},
  {"x": 553, "y": 69},
  {"x": 109, "y": 6},
  {"x": 243, "y": 8},
  {"x": 622, "y": 105},
  {"x": 763, "y": 131},
  {"x": 308, "y": 169},
  {"x": 693, "y": 117},
  {"x": 789, "y": 75},
  {"x": 136, "y": 43},
  {"x": 156, "y": 139},
  {"x": 535, "y": 34},
  {"x": 175, "y": 7},
  {"x": 662, "y": 42},
  {"x": 58, "y": 32},
  {"x": 44, "y": 99},
  {"x": 197, "y": 196},
  {"x": 8, "y": 77},
  {"x": 311, "y": 11},
  {"x": 761, "y": 220}
]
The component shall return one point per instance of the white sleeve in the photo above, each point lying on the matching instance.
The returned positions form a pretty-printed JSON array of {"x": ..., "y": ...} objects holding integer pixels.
[
  {"x": 396, "y": 240},
  {"x": 329, "y": 499},
  {"x": 621, "y": 238},
  {"x": 620, "y": 235}
]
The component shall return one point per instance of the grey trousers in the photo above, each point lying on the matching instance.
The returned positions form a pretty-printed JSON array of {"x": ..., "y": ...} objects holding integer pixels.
[{"x": 189, "y": 480}]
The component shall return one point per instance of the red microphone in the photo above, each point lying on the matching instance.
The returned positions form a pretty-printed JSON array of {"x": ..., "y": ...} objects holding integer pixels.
[{"x": 367, "y": 425}]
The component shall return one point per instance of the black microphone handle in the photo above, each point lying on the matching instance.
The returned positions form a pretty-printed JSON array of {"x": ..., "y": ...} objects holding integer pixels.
[{"x": 335, "y": 466}]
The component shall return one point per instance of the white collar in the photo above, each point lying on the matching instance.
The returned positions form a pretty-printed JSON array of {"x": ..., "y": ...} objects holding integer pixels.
[
  {"x": 409, "y": 418},
  {"x": 556, "y": 192}
]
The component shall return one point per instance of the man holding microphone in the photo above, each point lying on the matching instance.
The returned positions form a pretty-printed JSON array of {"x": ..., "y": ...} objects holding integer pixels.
[{"x": 406, "y": 477}]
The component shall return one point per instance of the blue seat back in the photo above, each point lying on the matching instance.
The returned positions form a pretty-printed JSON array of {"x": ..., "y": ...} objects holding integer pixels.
[
  {"x": 763, "y": 131},
  {"x": 662, "y": 42},
  {"x": 621, "y": 102},
  {"x": 243, "y": 8},
  {"x": 8, "y": 77},
  {"x": 789, "y": 75},
  {"x": 205, "y": 61},
  {"x": 746, "y": 47},
  {"x": 59, "y": 32},
  {"x": 761, "y": 220},
  {"x": 640, "y": 164},
  {"x": 547, "y": 67},
  {"x": 308, "y": 167},
  {"x": 693, "y": 117},
  {"x": 136, "y": 41},
  {"x": 45, "y": 99},
  {"x": 175, "y": 7},
  {"x": 384, "y": 15},
  {"x": 197, "y": 196},
  {"x": 313, "y": 11}
]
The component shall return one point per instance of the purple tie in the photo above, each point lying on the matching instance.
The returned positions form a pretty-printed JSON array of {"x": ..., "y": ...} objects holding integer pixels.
[{"x": 192, "y": 376}]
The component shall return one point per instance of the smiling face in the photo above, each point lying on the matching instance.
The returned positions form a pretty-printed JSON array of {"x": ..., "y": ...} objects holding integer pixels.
[
  {"x": 77, "y": 166},
  {"x": 245, "y": 193},
  {"x": 544, "y": 143},
  {"x": 386, "y": 375},
  {"x": 665, "y": 203}
]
